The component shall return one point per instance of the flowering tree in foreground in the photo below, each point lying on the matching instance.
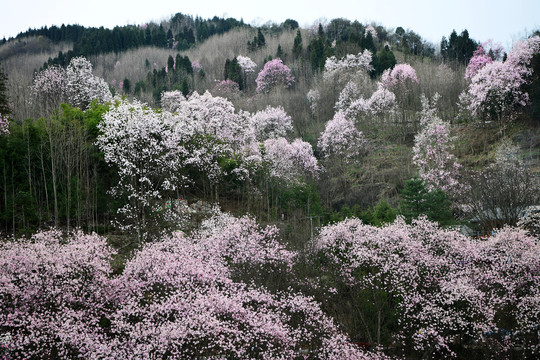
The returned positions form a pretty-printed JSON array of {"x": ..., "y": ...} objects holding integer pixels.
[
  {"x": 439, "y": 289},
  {"x": 54, "y": 295},
  {"x": 175, "y": 298},
  {"x": 273, "y": 74}
]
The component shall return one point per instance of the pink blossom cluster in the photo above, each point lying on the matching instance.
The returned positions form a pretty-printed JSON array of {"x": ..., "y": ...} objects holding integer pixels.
[
  {"x": 400, "y": 75},
  {"x": 290, "y": 161},
  {"x": 431, "y": 152},
  {"x": 443, "y": 286},
  {"x": 175, "y": 298},
  {"x": 496, "y": 88},
  {"x": 273, "y": 74},
  {"x": 340, "y": 138},
  {"x": 477, "y": 62}
]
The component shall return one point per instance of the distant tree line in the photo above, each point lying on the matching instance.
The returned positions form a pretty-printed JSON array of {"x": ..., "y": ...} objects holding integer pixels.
[{"x": 180, "y": 32}]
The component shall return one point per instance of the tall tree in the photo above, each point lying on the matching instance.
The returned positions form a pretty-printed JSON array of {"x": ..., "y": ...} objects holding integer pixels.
[{"x": 4, "y": 102}]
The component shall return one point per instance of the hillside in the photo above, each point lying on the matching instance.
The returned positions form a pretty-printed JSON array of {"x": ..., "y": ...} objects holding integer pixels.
[{"x": 205, "y": 188}]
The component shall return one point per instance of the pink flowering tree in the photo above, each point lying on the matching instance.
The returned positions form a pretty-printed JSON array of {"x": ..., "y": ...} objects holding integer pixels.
[
  {"x": 273, "y": 74},
  {"x": 477, "y": 62},
  {"x": 403, "y": 82},
  {"x": 174, "y": 298},
  {"x": 341, "y": 140},
  {"x": 432, "y": 151},
  {"x": 271, "y": 123},
  {"x": 55, "y": 293},
  {"x": 427, "y": 287},
  {"x": 496, "y": 89}
]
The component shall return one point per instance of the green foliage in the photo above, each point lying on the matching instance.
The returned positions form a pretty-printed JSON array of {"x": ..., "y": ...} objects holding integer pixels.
[
  {"x": 127, "y": 86},
  {"x": 297, "y": 45},
  {"x": 233, "y": 71},
  {"x": 385, "y": 59},
  {"x": 416, "y": 200},
  {"x": 59, "y": 150}
]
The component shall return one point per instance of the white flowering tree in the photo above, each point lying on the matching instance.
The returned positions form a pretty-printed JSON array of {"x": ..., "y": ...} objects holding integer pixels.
[{"x": 144, "y": 147}]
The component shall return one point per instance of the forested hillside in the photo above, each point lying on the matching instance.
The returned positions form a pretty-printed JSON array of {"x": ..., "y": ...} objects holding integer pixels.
[{"x": 201, "y": 188}]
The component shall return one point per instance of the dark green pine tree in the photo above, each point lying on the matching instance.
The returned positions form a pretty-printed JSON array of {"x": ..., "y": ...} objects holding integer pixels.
[
  {"x": 233, "y": 72},
  {"x": 416, "y": 200},
  {"x": 4, "y": 103},
  {"x": 127, "y": 86},
  {"x": 170, "y": 63},
  {"x": 261, "y": 41},
  {"x": 297, "y": 46},
  {"x": 279, "y": 52}
]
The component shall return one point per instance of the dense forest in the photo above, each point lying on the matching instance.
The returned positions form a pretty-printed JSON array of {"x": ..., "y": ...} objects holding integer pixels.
[{"x": 210, "y": 189}]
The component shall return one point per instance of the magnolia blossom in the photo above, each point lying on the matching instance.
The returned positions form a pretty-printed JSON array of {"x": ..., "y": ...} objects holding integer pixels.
[
  {"x": 171, "y": 100},
  {"x": 82, "y": 86},
  {"x": 431, "y": 152},
  {"x": 289, "y": 161},
  {"x": 477, "y": 62},
  {"x": 50, "y": 86},
  {"x": 274, "y": 73},
  {"x": 313, "y": 96},
  {"x": 273, "y": 122},
  {"x": 349, "y": 94},
  {"x": 356, "y": 63},
  {"x": 496, "y": 88},
  {"x": 442, "y": 286},
  {"x": 247, "y": 65},
  {"x": 399, "y": 75},
  {"x": 341, "y": 138},
  {"x": 145, "y": 149}
]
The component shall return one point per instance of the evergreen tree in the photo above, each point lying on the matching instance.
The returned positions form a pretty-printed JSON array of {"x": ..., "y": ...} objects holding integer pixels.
[
  {"x": 233, "y": 72},
  {"x": 279, "y": 52},
  {"x": 261, "y": 41},
  {"x": 170, "y": 63},
  {"x": 127, "y": 86},
  {"x": 297, "y": 46},
  {"x": 416, "y": 200}
]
